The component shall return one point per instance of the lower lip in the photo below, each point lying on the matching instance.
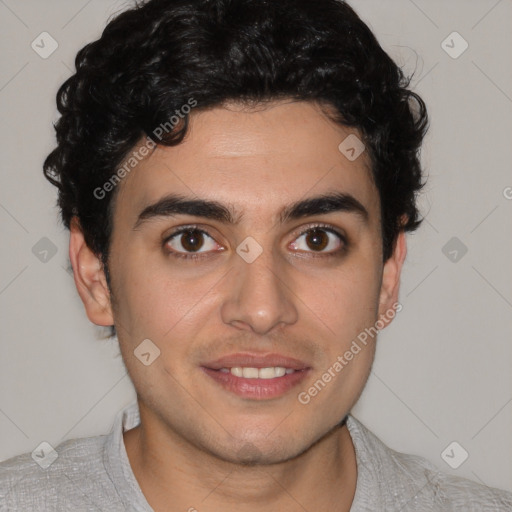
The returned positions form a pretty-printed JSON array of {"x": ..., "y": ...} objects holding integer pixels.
[{"x": 258, "y": 389}]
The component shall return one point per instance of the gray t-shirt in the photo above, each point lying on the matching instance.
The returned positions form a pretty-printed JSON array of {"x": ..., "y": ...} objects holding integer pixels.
[{"x": 94, "y": 474}]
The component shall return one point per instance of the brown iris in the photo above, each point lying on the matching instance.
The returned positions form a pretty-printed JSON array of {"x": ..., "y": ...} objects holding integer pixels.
[
  {"x": 317, "y": 239},
  {"x": 192, "y": 240}
]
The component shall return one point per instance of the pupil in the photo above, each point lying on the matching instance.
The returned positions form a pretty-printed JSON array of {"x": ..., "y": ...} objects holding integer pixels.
[
  {"x": 317, "y": 239},
  {"x": 192, "y": 240}
]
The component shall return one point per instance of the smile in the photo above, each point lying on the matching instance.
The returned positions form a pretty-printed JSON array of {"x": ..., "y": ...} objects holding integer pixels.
[{"x": 258, "y": 373}]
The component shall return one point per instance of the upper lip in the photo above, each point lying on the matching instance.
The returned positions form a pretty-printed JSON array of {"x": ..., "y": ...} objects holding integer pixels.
[{"x": 254, "y": 360}]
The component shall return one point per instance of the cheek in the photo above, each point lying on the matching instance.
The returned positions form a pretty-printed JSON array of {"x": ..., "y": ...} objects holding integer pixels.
[
  {"x": 159, "y": 301},
  {"x": 346, "y": 307},
  {"x": 343, "y": 301}
]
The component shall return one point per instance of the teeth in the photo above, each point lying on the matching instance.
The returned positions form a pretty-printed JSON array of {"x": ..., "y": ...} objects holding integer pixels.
[
  {"x": 259, "y": 373},
  {"x": 237, "y": 372},
  {"x": 250, "y": 373},
  {"x": 271, "y": 373}
]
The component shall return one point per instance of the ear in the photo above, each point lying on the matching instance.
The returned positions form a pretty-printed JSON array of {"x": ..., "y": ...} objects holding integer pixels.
[
  {"x": 89, "y": 278},
  {"x": 390, "y": 286}
]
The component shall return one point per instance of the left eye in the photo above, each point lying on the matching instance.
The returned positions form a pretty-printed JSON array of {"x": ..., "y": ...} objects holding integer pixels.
[{"x": 318, "y": 240}]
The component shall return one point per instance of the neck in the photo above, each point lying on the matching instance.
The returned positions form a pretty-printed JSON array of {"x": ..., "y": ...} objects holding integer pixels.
[{"x": 169, "y": 470}]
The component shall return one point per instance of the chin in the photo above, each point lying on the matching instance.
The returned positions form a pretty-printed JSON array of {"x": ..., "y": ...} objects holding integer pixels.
[{"x": 260, "y": 454}]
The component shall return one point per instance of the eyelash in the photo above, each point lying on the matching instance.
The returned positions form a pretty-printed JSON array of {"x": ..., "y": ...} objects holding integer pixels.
[{"x": 198, "y": 256}]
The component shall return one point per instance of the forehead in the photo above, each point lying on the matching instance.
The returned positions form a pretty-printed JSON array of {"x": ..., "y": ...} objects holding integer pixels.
[{"x": 255, "y": 159}]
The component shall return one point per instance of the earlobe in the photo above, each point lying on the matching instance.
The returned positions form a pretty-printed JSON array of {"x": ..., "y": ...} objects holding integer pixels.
[
  {"x": 89, "y": 276},
  {"x": 391, "y": 278}
]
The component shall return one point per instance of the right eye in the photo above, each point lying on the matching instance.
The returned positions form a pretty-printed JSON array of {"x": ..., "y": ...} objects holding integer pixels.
[{"x": 189, "y": 241}]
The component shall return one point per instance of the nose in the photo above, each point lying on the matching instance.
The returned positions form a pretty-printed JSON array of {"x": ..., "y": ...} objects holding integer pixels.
[{"x": 260, "y": 296}]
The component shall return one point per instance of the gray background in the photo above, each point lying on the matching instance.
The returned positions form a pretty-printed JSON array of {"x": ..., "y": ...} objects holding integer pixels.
[{"x": 443, "y": 368}]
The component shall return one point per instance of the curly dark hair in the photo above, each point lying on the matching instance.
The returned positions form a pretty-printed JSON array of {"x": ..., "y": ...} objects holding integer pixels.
[{"x": 151, "y": 59}]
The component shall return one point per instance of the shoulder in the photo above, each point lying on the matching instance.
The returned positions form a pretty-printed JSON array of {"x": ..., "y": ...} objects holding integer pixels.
[
  {"x": 53, "y": 479},
  {"x": 448, "y": 492},
  {"x": 414, "y": 483}
]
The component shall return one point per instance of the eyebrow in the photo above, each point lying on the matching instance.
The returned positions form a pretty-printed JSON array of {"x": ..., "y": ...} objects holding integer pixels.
[{"x": 172, "y": 205}]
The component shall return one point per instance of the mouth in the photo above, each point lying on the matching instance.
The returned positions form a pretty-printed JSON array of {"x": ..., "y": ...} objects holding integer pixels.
[{"x": 257, "y": 377}]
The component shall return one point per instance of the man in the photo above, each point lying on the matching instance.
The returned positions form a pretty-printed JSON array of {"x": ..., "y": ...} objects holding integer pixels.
[{"x": 238, "y": 177}]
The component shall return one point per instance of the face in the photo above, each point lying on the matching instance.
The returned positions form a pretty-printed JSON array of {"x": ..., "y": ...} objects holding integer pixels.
[{"x": 271, "y": 258}]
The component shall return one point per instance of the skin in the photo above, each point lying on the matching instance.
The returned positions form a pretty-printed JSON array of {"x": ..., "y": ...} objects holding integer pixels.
[{"x": 292, "y": 300}]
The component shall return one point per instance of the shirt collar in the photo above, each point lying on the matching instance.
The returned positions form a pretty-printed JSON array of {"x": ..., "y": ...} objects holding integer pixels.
[{"x": 117, "y": 464}]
